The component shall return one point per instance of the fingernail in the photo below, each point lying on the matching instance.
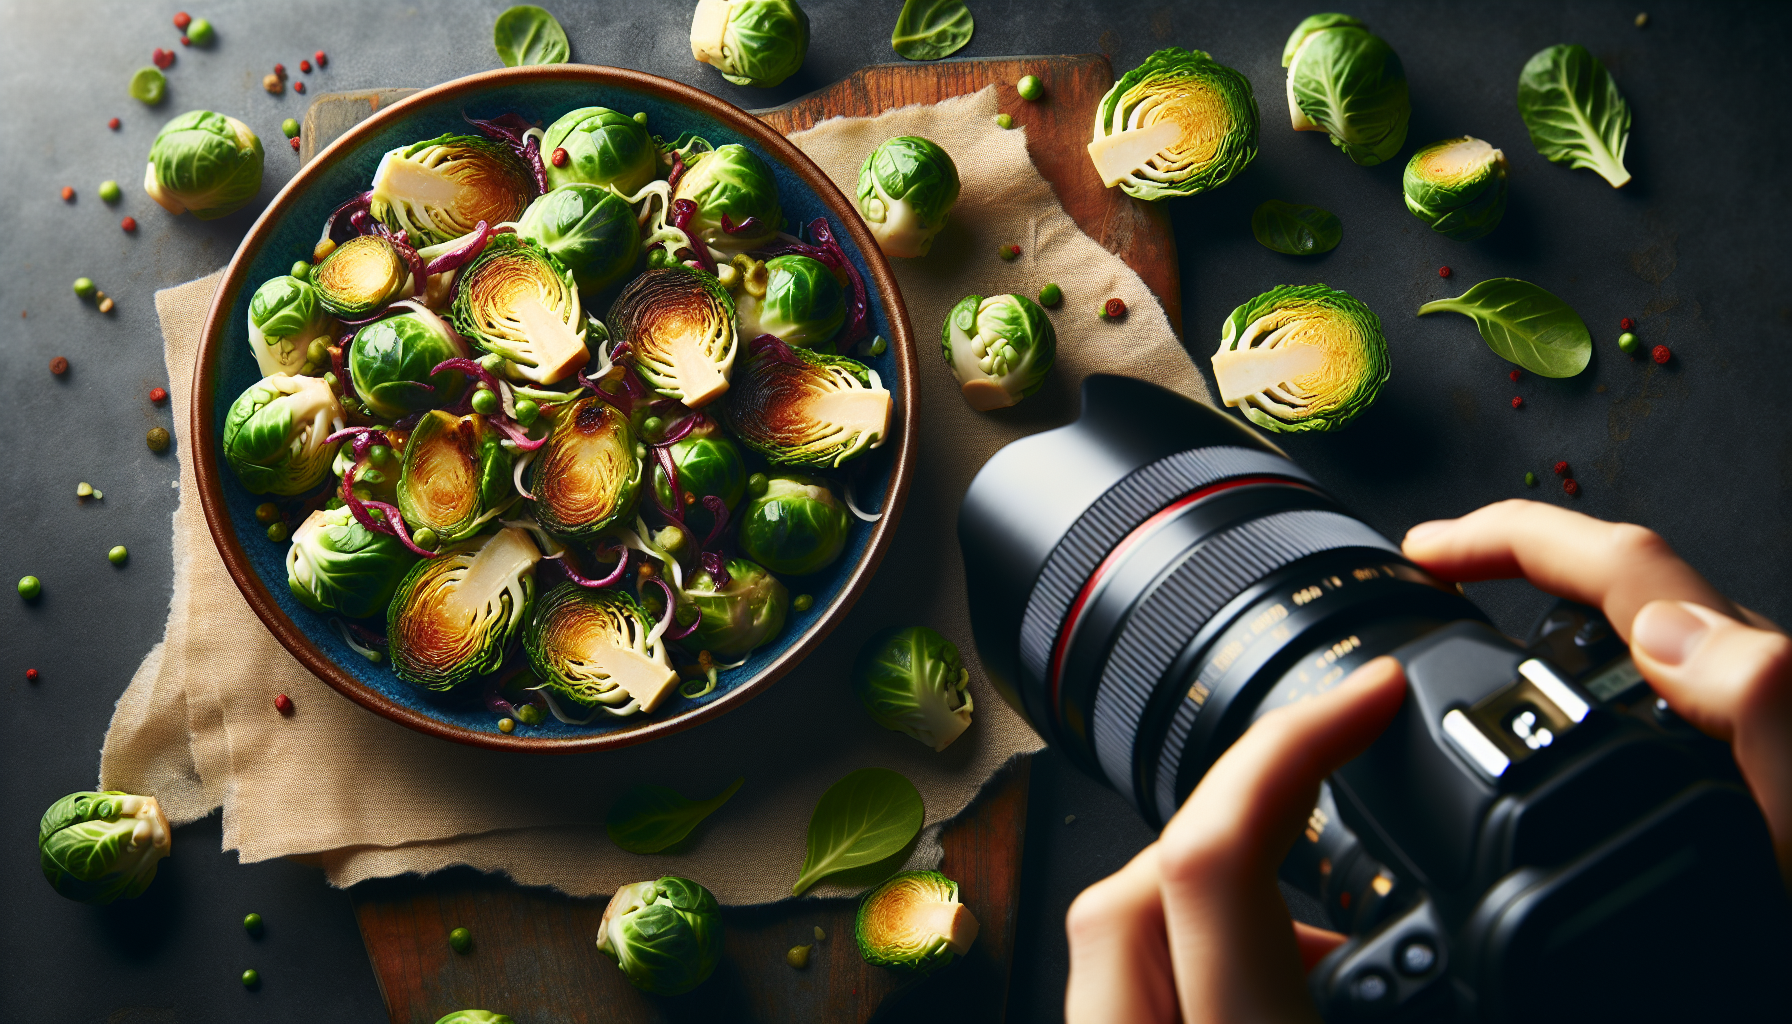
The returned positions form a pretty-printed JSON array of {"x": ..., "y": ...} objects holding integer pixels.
[
  {"x": 1667, "y": 631},
  {"x": 1423, "y": 530}
]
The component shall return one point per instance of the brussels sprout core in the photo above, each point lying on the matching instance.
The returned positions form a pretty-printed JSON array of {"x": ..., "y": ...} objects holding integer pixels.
[
  {"x": 914, "y": 920},
  {"x": 802, "y": 408},
  {"x": 589, "y": 649},
  {"x": 359, "y": 276},
  {"x": 751, "y": 42},
  {"x": 455, "y": 472},
  {"x": 275, "y": 434},
  {"x": 454, "y": 614},
  {"x": 1300, "y": 358},
  {"x": 1178, "y": 124},
  {"x": 440, "y": 189},
  {"x": 519, "y": 302},
  {"x": 678, "y": 324},
  {"x": 666, "y": 935},
  {"x": 1457, "y": 186},
  {"x": 96, "y": 847},
  {"x": 1000, "y": 348},
  {"x": 587, "y": 476},
  {"x": 906, "y": 188},
  {"x": 204, "y": 162}
]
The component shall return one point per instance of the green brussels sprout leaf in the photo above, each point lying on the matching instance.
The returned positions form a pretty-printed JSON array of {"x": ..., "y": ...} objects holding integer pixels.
[
  {"x": 440, "y": 189},
  {"x": 455, "y": 475},
  {"x": 912, "y": 681},
  {"x": 907, "y": 185},
  {"x": 96, "y": 847},
  {"x": 871, "y": 814},
  {"x": 1345, "y": 80},
  {"x": 603, "y": 147},
  {"x": 204, "y": 162},
  {"x": 391, "y": 359},
  {"x": 1294, "y": 229},
  {"x": 1524, "y": 324},
  {"x": 666, "y": 935},
  {"x": 648, "y": 819},
  {"x": 1575, "y": 113},
  {"x": 1000, "y": 348},
  {"x": 797, "y": 527},
  {"x": 587, "y": 476},
  {"x": 517, "y": 301},
  {"x": 274, "y": 434},
  {"x": 1177, "y": 125},
  {"x": 337, "y": 566},
  {"x": 525, "y": 35},
  {"x": 596, "y": 650},
  {"x": 751, "y": 42},
  {"x": 454, "y": 615},
  {"x": 284, "y": 317},
  {"x": 678, "y": 324},
  {"x": 804, "y": 303},
  {"x": 1301, "y": 358},
  {"x": 914, "y": 921},
  {"x": 931, "y": 29}
]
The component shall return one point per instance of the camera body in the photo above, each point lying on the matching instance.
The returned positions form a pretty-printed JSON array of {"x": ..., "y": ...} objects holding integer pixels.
[{"x": 1533, "y": 838}]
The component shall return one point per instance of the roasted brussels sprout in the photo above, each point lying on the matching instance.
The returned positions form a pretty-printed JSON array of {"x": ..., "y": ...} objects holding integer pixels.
[
  {"x": 1458, "y": 187},
  {"x": 751, "y": 42},
  {"x": 709, "y": 464},
  {"x": 1300, "y": 358},
  {"x": 586, "y": 477},
  {"x": 589, "y": 229},
  {"x": 1344, "y": 80},
  {"x": 912, "y": 681},
  {"x": 678, "y": 324},
  {"x": 1177, "y": 125},
  {"x": 1000, "y": 348},
  {"x": 96, "y": 847},
  {"x": 360, "y": 276},
  {"x": 337, "y": 566},
  {"x": 914, "y": 920},
  {"x": 731, "y": 181},
  {"x": 204, "y": 162},
  {"x": 274, "y": 434},
  {"x": 284, "y": 317},
  {"x": 516, "y": 300},
  {"x": 666, "y": 935},
  {"x": 798, "y": 526},
  {"x": 603, "y": 147},
  {"x": 440, "y": 189},
  {"x": 739, "y": 617},
  {"x": 391, "y": 359},
  {"x": 455, "y": 474},
  {"x": 801, "y": 408},
  {"x": 589, "y": 650},
  {"x": 906, "y": 188},
  {"x": 804, "y": 304},
  {"x": 453, "y": 615}
]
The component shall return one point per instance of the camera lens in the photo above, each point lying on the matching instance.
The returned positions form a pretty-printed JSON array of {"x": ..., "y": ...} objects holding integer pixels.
[{"x": 1148, "y": 580}]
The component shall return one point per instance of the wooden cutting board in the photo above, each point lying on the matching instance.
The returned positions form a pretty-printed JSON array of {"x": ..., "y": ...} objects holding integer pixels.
[{"x": 533, "y": 955}]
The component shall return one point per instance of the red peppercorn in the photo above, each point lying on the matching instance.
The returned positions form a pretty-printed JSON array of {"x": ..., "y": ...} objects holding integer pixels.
[
  {"x": 1571, "y": 486},
  {"x": 1661, "y": 354},
  {"x": 59, "y": 366},
  {"x": 1563, "y": 470},
  {"x": 320, "y": 58},
  {"x": 161, "y": 58},
  {"x": 559, "y": 156},
  {"x": 283, "y": 704},
  {"x": 298, "y": 87},
  {"x": 1627, "y": 324},
  {"x": 68, "y": 194},
  {"x": 295, "y": 144},
  {"x": 182, "y": 20},
  {"x": 184, "y": 41},
  {"x": 113, "y": 124},
  {"x": 305, "y": 66},
  {"x": 1443, "y": 271},
  {"x": 280, "y": 69},
  {"x": 1514, "y": 376},
  {"x": 158, "y": 395},
  {"x": 129, "y": 223},
  {"x": 1114, "y": 308},
  {"x": 1517, "y": 401},
  {"x": 31, "y": 675}
]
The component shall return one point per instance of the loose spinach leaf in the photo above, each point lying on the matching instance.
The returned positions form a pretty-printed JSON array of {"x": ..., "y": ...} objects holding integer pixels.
[
  {"x": 1524, "y": 324},
  {"x": 1296, "y": 230},
  {"x": 1574, "y": 111},
  {"x": 647, "y": 819},
  {"x": 529, "y": 35},
  {"x": 865, "y": 817},
  {"x": 931, "y": 29}
]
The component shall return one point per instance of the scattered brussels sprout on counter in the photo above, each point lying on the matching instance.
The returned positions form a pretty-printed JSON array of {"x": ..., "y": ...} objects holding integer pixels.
[
  {"x": 931, "y": 29},
  {"x": 455, "y": 475},
  {"x": 587, "y": 476},
  {"x": 603, "y": 147},
  {"x": 274, "y": 434},
  {"x": 731, "y": 182},
  {"x": 907, "y": 186},
  {"x": 391, "y": 359},
  {"x": 803, "y": 303},
  {"x": 360, "y": 276},
  {"x": 1177, "y": 125},
  {"x": 1294, "y": 229},
  {"x": 871, "y": 814},
  {"x": 339, "y": 567},
  {"x": 589, "y": 229},
  {"x": 1301, "y": 358},
  {"x": 440, "y": 189},
  {"x": 96, "y": 847},
  {"x": 149, "y": 86},
  {"x": 1345, "y": 80},
  {"x": 798, "y": 526},
  {"x": 454, "y": 615},
  {"x": 914, "y": 921},
  {"x": 739, "y": 617},
  {"x": 751, "y": 42},
  {"x": 666, "y": 935},
  {"x": 205, "y": 163},
  {"x": 516, "y": 300},
  {"x": 678, "y": 324},
  {"x": 476, "y": 1017},
  {"x": 285, "y": 316},
  {"x": 709, "y": 464},
  {"x": 911, "y": 680},
  {"x": 1000, "y": 348},
  {"x": 1574, "y": 111},
  {"x": 590, "y": 650},
  {"x": 527, "y": 35},
  {"x": 802, "y": 408},
  {"x": 648, "y": 819},
  {"x": 1457, "y": 186},
  {"x": 1524, "y": 324}
]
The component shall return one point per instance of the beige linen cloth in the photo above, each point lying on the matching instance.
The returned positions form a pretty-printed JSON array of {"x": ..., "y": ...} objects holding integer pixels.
[{"x": 197, "y": 726}]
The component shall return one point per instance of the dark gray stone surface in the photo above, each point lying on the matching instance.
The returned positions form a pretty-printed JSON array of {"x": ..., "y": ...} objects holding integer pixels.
[{"x": 1697, "y": 449}]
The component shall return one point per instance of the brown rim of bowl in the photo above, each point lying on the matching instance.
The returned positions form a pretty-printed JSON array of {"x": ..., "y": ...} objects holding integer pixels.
[{"x": 206, "y": 454}]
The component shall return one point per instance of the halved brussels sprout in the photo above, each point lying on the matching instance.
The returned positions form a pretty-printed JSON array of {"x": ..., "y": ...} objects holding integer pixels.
[
  {"x": 586, "y": 477},
  {"x": 440, "y": 189},
  {"x": 709, "y": 464},
  {"x": 906, "y": 188},
  {"x": 1457, "y": 186},
  {"x": 589, "y": 229},
  {"x": 517, "y": 300},
  {"x": 391, "y": 359},
  {"x": 912, "y": 681},
  {"x": 455, "y": 474},
  {"x": 284, "y": 317},
  {"x": 337, "y": 566},
  {"x": 589, "y": 650},
  {"x": 1177, "y": 125},
  {"x": 1300, "y": 358},
  {"x": 96, "y": 847},
  {"x": 802, "y": 408},
  {"x": 914, "y": 920},
  {"x": 274, "y": 434},
  {"x": 666, "y": 935},
  {"x": 738, "y": 617},
  {"x": 604, "y": 147},
  {"x": 1344, "y": 80},
  {"x": 1000, "y": 348},
  {"x": 804, "y": 304},
  {"x": 204, "y": 162},
  {"x": 678, "y": 324},
  {"x": 361, "y": 275},
  {"x": 453, "y": 615},
  {"x": 751, "y": 42},
  {"x": 798, "y": 526},
  {"x": 731, "y": 181}
]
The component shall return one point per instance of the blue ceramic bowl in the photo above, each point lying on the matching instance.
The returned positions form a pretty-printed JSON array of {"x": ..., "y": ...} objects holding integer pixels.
[{"x": 289, "y": 228}]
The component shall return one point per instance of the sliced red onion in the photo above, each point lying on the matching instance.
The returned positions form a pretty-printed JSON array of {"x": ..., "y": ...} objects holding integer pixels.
[
  {"x": 682, "y": 212},
  {"x": 454, "y": 259},
  {"x": 362, "y": 221},
  {"x": 718, "y": 508},
  {"x": 669, "y": 621},
  {"x": 682, "y": 430},
  {"x": 372, "y": 637},
  {"x": 360, "y": 204},
  {"x": 749, "y": 225},
  {"x": 611, "y": 580},
  {"x": 663, "y": 454},
  {"x": 339, "y": 363},
  {"x": 512, "y": 129},
  {"x": 509, "y": 429},
  {"x": 398, "y": 529},
  {"x": 772, "y": 346},
  {"x": 469, "y": 367},
  {"x": 678, "y": 169},
  {"x": 717, "y": 567}
]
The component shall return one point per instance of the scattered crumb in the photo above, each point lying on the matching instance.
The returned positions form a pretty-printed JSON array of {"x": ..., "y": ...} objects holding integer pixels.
[
  {"x": 1642, "y": 20},
  {"x": 1068, "y": 818}
]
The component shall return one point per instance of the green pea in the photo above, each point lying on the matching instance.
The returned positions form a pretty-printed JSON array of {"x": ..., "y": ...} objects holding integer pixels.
[
  {"x": 1627, "y": 341},
  {"x": 506, "y": 726},
  {"x": 85, "y": 288},
  {"x": 1530, "y": 479},
  {"x": 330, "y": 379},
  {"x": 485, "y": 401},
  {"x": 425, "y": 538},
  {"x": 651, "y": 426},
  {"x": 110, "y": 192},
  {"x": 659, "y": 258},
  {"x": 879, "y": 346},
  {"x": 251, "y": 977},
  {"x": 1008, "y": 252},
  {"x": 491, "y": 362},
  {"x": 530, "y": 714},
  {"x": 1004, "y": 121},
  {"x": 118, "y": 555},
  {"x": 301, "y": 270},
  {"x": 149, "y": 85},
  {"x": 267, "y": 512},
  {"x": 527, "y": 412},
  {"x": 803, "y": 602},
  {"x": 641, "y": 118},
  {"x": 318, "y": 352},
  {"x": 757, "y": 484},
  {"x": 201, "y": 32},
  {"x": 1030, "y": 88},
  {"x": 798, "y": 956},
  {"x": 30, "y": 587},
  {"x": 1051, "y": 295},
  {"x": 279, "y": 533},
  {"x": 252, "y": 924},
  {"x": 289, "y": 128},
  {"x": 461, "y": 940},
  {"x": 379, "y": 454},
  {"x": 157, "y": 439}
]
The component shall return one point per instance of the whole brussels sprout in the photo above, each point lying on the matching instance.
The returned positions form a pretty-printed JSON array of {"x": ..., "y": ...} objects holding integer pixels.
[
  {"x": 588, "y": 228},
  {"x": 999, "y": 348},
  {"x": 96, "y": 847},
  {"x": 906, "y": 187},
  {"x": 1457, "y": 186},
  {"x": 666, "y": 935},
  {"x": 284, "y": 317},
  {"x": 454, "y": 615},
  {"x": 798, "y": 526},
  {"x": 911, "y": 680},
  {"x": 476, "y": 1017},
  {"x": 454, "y": 475},
  {"x": 914, "y": 920},
  {"x": 709, "y": 463},
  {"x": 739, "y": 617},
  {"x": 391, "y": 359},
  {"x": 751, "y": 42},
  {"x": 204, "y": 162},
  {"x": 731, "y": 181},
  {"x": 604, "y": 147},
  {"x": 1345, "y": 80},
  {"x": 803, "y": 303},
  {"x": 274, "y": 434},
  {"x": 440, "y": 189},
  {"x": 337, "y": 566}
]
